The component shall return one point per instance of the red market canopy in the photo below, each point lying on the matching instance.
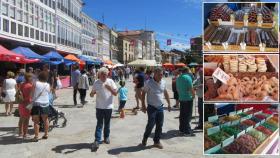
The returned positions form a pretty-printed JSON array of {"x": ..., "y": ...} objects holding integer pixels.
[
  {"x": 10, "y": 56},
  {"x": 167, "y": 64},
  {"x": 108, "y": 62}
]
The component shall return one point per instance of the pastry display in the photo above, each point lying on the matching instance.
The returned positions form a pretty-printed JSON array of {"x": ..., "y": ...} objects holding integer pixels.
[
  {"x": 218, "y": 137},
  {"x": 231, "y": 130},
  {"x": 248, "y": 141},
  {"x": 260, "y": 116},
  {"x": 249, "y": 28},
  {"x": 269, "y": 126},
  {"x": 250, "y": 136},
  {"x": 208, "y": 143},
  {"x": 221, "y": 11},
  {"x": 248, "y": 123},
  {"x": 266, "y": 15},
  {"x": 239, "y": 15},
  {"x": 236, "y": 148},
  {"x": 207, "y": 125},
  {"x": 257, "y": 134},
  {"x": 253, "y": 14},
  {"x": 264, "y": 130},
  {"x": 251, "y": 77}
]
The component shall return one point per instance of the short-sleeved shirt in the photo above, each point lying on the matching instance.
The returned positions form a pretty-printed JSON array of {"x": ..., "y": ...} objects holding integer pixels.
[
  {"x": 184, "y": 87},
  {"x": 123, "y": 93},
  {"x": 141, "y": 79},
  {"x": 104, "y": 98},
  {"x": 155, "y": 92},
  {"x": 75, "y": 77},
  {"x": 20, "y": 79}
]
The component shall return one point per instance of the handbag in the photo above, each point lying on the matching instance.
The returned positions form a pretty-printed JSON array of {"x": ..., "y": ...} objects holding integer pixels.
[
  {"x": 16, "y": 113},
  {"x": 30, "y": 105}
]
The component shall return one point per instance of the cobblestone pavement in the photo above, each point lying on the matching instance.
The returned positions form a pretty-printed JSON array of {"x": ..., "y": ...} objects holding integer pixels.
[{"x": 75, "y": 139}]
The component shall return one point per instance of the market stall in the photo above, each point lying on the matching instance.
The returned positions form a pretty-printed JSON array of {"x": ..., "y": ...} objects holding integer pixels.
[
  {"x": 246, "y": 78},
  {"x": 246, "y": 131},
  {"x": 249, "y": 27}
]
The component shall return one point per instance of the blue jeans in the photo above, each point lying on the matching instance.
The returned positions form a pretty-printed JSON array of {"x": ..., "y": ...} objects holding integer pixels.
[
  {"x": 155, "y": 116},
  {"x": 186, "y": 109},
  {"x": 103, "y": 116}
]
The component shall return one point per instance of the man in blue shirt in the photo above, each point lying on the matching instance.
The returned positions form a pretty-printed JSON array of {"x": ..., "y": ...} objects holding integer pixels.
[
  {"x": 139, "y": 80},
  {"x": 75, "y": 74},
  {"x": 155, "y": 89}
]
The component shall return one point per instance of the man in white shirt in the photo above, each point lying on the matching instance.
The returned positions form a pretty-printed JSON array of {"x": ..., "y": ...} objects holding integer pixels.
[
  {"x": 155, "y": 89},
  {"x": 104, "y": 88}
]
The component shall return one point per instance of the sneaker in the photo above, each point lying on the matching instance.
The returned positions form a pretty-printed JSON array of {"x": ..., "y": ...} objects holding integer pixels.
[
  {"x": 144, "y": 142},
  {"x": 158, "y": 145},
  {"x": 107, "y": 140},
  {"x": 95, "y": 146}
]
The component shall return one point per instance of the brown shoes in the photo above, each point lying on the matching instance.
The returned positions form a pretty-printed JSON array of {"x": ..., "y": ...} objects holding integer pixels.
[{"x": 158, "y": 145}]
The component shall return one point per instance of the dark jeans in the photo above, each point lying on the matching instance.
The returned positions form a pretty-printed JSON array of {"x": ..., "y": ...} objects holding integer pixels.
[
  {"x": 155, "y": 116},
  {"x": 186, "y": 108},
  {"x": 200, "y": 112},
  {"x": 103, "y": 116},
  {"x": 75, "y": 95},
  {"x": 83, "y": 93}
]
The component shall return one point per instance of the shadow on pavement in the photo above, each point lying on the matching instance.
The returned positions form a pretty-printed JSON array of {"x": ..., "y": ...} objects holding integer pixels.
[
  {"x": 66, "y": 106},
  {"x": 70, "y": 148},
  {"x": 129, "y": 149},
  {"x": 8, "y": 140},
  {"x": 172, "y": 134}
]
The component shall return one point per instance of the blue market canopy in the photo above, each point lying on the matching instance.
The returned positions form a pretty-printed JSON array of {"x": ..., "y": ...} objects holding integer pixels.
[
  {"x": 28, "y": 53},
  {"x": 86, "y": 59},
  {"x": 54, "y": 56},
  {"x": 69, "y": 62}
]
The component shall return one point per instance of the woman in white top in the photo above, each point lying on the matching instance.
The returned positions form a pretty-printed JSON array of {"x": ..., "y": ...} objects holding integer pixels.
[
  {"x": 9, "y": 91},
  {"x": 41, "y": 104}
]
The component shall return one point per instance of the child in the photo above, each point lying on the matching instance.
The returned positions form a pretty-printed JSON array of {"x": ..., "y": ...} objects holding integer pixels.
[{"x": 122, "y": 98}]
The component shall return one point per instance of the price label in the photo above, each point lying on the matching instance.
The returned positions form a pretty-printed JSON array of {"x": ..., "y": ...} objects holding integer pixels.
[
  {"x": 249, "y": 128},
  {"x": 257, "y": 124},
  {"x": 220, "y": 75},
  {"x": 241, "y": 133},
  {"x": 262, "y": 47},
  {"x": 232, "y": 113},
  {"x": 243, "y": 45},
  {"x": 227, "y": 141},
  {"x": 213, "y": 130},
  {"x": 213, "y": 118},
  {"x": 225, "y": 124},
  {"x": 235, "y": 122},
  {"x": 262, "y": 121},
  {"x": 213, "y": 150},
  {"x": 239, "y": 111}
]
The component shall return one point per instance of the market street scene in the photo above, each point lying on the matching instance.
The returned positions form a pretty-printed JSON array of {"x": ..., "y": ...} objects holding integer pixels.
[{"x": 161, "y": 78}]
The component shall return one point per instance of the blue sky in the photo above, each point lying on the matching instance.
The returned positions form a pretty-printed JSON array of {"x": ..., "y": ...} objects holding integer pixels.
[{"x": 170, "y": 19}]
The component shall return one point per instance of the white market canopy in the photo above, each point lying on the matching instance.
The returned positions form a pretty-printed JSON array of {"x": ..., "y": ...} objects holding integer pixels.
[{"x": 140, "y": 62}]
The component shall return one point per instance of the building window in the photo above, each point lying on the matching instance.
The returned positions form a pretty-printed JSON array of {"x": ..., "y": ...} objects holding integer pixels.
[
  {"x": 20, "y": 30},
  {"x": 12, "y": 12},
  {"x": 25, "y": 18},
  {"x": 13, "y": 28},
  {"x": 5, "y": 25},
  {"x": 5, "y": 9},
  {"x": 19, "y": 4},
  {"x": 26, "y": 31},
  {"x": 37, "y": 34},
  {"x": 50, "y": 38},
  {"x": 19, "y": 15},
  {"x": 42, "y": 36},
  {"x": 13, "y": 2},
  {"x": 31, "y": 22},
  {"x": 46, "y": 37},
  {"x": 32, "y": 33},
  {"x": 26, "y": 5}
]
